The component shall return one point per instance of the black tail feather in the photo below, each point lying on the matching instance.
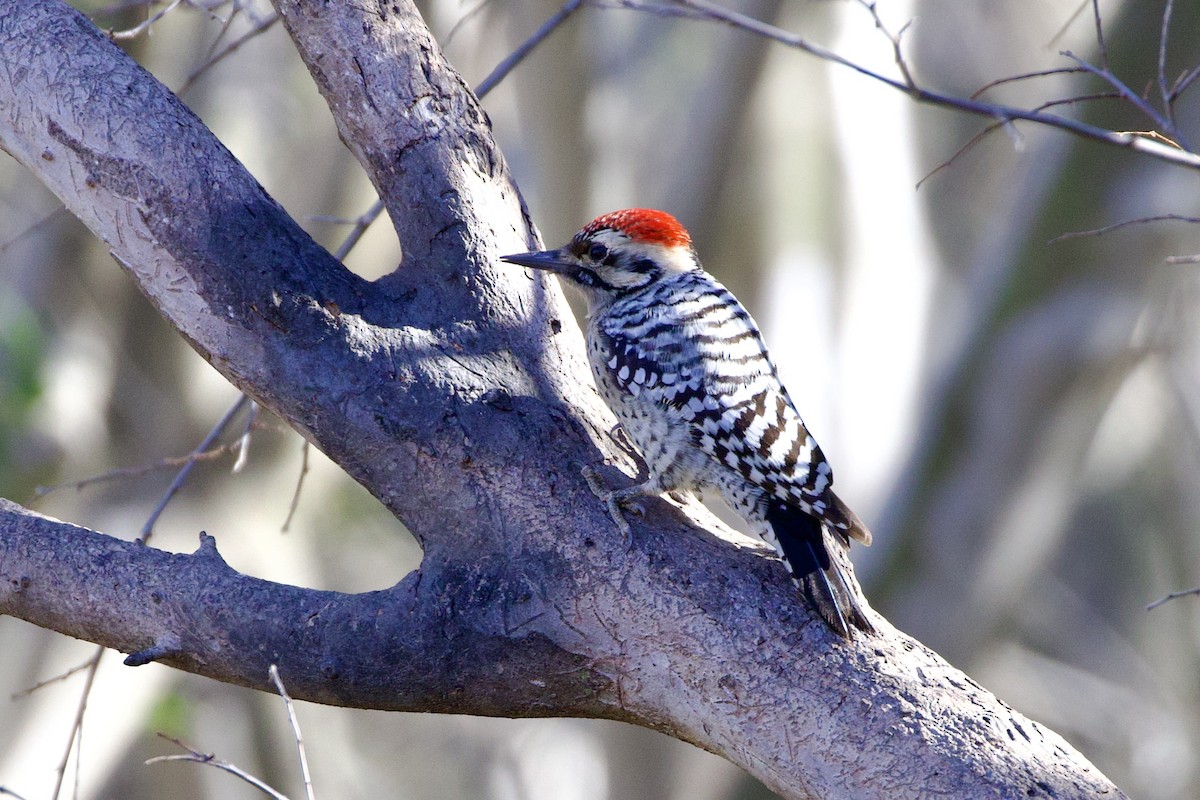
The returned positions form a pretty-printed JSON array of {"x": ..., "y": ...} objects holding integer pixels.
[{"x": 804, "y": 544}]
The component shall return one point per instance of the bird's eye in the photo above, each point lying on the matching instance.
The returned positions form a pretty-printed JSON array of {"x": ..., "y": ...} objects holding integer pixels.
[{"x": 597, "y": 252}]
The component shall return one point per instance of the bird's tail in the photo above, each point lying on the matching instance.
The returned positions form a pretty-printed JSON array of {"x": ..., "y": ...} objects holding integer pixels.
[{"x": 824, "y": 578}]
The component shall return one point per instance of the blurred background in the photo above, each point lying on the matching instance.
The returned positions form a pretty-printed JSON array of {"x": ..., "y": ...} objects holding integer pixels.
[{"x": 1017, "y": 418}]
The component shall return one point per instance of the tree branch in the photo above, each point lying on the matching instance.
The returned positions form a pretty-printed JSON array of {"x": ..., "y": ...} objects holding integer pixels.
[
  {"x": 707, "y": 11},
  {"x": 455, "y": 391},
  {"x": 413, "y": 647}
]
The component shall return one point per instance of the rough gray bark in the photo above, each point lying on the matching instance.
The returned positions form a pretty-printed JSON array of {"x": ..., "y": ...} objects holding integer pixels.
[{"x": 455, "y": 390}]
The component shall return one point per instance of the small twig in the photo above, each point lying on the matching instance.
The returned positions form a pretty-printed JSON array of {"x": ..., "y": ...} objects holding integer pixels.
[
  {"x": 34, "y": 227},
  {"x": 91, "y": 666},
  {"x": 146, "y": 531},
  {"x": 226, "y": 24},
  {"x": 1124, "y": 223},
  {"x": 299, "y": 485},
  {"x": 143, "y": 26},
  {"x": 1062, "y": 31},
  {"x": 702, "y": 10},
  {"x": 959, "y": 153},
  {"x": 182, "y": 475},
  {"x": 62, "y": 676},
  {"x": 526, "y": 47},
  {"x": 125, "y": 5},
  {"x": 467, "y": 15},
  {"x": 1044, "y": 73},
  {"x": 897, "y": 52},
  {"x": 291, "y": 712},
  {"x": 134, "y": 472},
  {"x": 196, "y": 757},
  {"x": 977, "y": 138},
  {"x": 1082, "y": 98},
  {"x": 165, "y": 646},
  {"x": 1172, "y": 596},
  {"x": 260, "y": 27},
  {"x": 243, "y": 442},
  {"x": 11, "y": 793},
  {"x": 1184, "y": 82},
  {"x": 360, "y": 227},
  {"x": 1163, "y": 90},
  {"x": 1132, "y": 97},
  {"x": 1192, "y": 259},
  {"x": 1100, "y": 43}
]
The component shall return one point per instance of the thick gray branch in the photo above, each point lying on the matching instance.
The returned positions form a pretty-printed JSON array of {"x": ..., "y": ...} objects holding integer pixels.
[
  {"x": 455, "y": 391},
  {"x": 413, "y": 647}
]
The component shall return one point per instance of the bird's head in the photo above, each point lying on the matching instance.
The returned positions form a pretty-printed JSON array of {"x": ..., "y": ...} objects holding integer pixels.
[{"x": 617, "y": 253}]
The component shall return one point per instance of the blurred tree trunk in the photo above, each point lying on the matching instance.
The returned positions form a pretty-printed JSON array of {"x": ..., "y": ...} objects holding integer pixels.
[{"x": 1063, "y": 316}]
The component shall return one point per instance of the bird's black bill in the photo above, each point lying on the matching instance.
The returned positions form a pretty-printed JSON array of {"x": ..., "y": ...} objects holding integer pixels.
[{"x": 549, "y": 260}]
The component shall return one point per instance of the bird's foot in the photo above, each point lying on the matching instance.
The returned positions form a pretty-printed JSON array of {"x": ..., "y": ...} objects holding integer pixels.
[{"x": 617, "y": 501}]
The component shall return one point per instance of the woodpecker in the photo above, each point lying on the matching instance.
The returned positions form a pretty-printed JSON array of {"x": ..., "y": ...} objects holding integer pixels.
[{"x": 684, "y": 368}]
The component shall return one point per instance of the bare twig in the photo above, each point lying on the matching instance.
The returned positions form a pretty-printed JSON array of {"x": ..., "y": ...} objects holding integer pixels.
[
  {"x": 1100, "y": 43},
  {"x": 243, "y": 442},
  {"x": 1163, "y": 90},
  {"x": 1172, "y": 596},
  {"x": 1083, "y": 98},
  {"x": 1124, "y": 223},
  {"x": 360, "y": 227},
  {"x": 125, "y": 5},
  {"x": 237, "y": 7},
  {"x": 977, "y": 138},
  {"x": 226, "y": 26},
  {"x": 897, "y": 52},
  {"x": 133, "y": 472},
  {"x": 146, "y": 532},
  {"x": 1192, "y": 259},
  {"x": 1134, "y": 99},
  {"x": 1062, "y": 31},
  {"x": 62, "y": 676},
  {"x": 260, "y": 27},
  {"x": 295, "y": 723},
  {"x": 299, "y": 485},
  {"x": 92, "y": 665},
  {"x": 182, "y": 476},
  {"x": 467, "y": 16},
  {"x": 1043, "y": 73},
  {"x": 705, "y": 11},
  {"x": 526, "y": 47},
  {"x": 196, "y": 757},
  {"x": 1184, "y": 82},
  {"x": 144, "y": 26},
  {"x": 11, "y": 793},
  {"x": 959, "y": 153},
  {"x": 34, "y": 227}
]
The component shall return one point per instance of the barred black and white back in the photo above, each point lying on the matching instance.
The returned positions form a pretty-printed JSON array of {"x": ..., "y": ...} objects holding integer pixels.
[{"x": 685, "y": 369}]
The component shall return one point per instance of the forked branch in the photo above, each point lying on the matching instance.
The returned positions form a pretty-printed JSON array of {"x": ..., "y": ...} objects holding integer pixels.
[{"x": 527, "y": 603}]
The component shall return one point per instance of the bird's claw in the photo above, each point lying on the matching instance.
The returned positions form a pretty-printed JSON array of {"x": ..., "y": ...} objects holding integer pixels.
[{"x": 617, "y": 501}]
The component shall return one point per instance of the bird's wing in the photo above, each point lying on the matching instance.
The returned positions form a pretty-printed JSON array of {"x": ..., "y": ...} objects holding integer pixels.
[{"x": 698, "y": 354}]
